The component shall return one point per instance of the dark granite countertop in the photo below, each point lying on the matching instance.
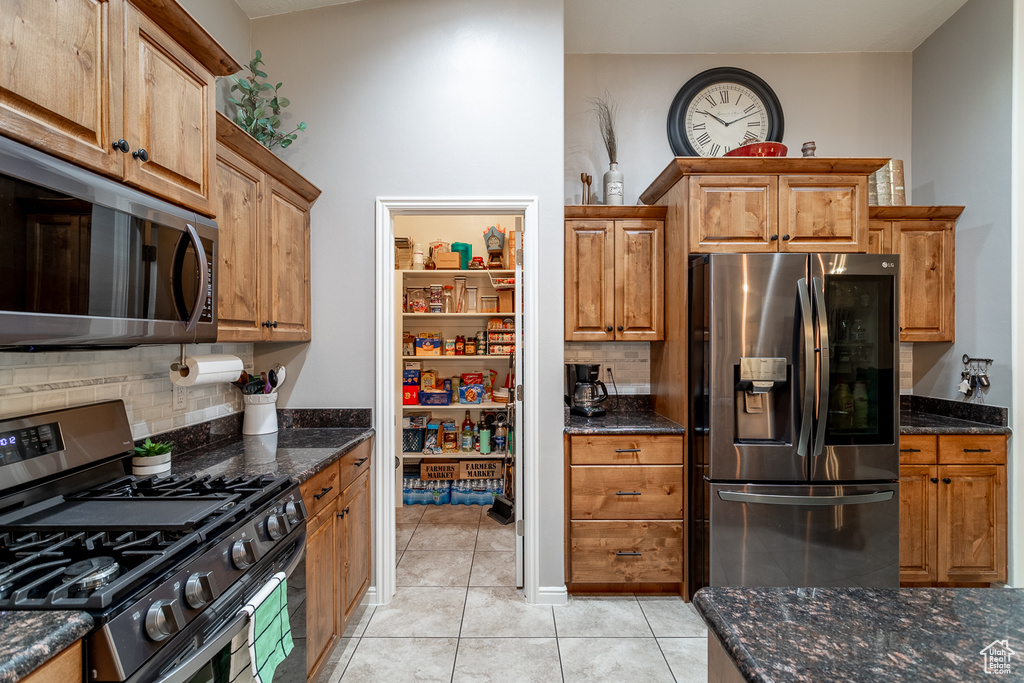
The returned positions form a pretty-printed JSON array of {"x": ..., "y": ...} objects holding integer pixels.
[
  {"x": 298, "y": 453},
  {"x": 913, "y": 422},
  {"x": 864, "y": 634},
  {"x": 636, "y": 422},
  {"x": 30, "y": 639}
]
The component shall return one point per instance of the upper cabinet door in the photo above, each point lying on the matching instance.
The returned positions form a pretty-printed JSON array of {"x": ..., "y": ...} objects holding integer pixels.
[
  {"x": 287, "y": 265},
  {"x": 240, "y": 219},
  {"x": 60, "y": 81},
  {"x": 823, "y": 213},
  {"x": 639, "y": 280},
  {"x": 733, "y": 214},
  {"x": 879, "y": 237},
  {"x": 168, "y": 112},
  {"x": 589, "y": 280},
  {"x": 927, "y": 275}
]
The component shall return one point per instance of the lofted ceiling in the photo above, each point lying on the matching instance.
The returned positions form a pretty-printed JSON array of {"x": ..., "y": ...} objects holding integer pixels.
[{"x": 710, "y": 26}]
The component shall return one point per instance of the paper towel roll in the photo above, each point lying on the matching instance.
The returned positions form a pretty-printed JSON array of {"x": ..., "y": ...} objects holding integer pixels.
[{"x": 210, "y": 369}]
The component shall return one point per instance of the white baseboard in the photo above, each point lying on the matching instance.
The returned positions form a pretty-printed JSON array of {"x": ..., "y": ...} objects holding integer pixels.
[
  {"x": 370, "y": 599},
  {"x": 552, "y": 595}
]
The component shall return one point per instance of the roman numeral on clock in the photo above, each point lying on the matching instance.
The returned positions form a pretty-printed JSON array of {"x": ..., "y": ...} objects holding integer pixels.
[
  {"x": 703, "y": 139},
  {"x": 753, "y": 124},
  {"x": 714, "y": 149},
  {"x": 724, "y": 96},
  {"x": 711, "y": 100},
  {"x": 700, "y": 126},
  {"x": 750, "y": 137},
  {"x": 750, "y": 109}
]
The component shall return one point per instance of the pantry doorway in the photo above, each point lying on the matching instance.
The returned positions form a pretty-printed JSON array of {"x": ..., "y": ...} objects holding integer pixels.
[{"x": 417, "y": 219}]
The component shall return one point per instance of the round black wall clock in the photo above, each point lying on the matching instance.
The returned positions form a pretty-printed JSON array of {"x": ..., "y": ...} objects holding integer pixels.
[{"x": 720, "y": 109}]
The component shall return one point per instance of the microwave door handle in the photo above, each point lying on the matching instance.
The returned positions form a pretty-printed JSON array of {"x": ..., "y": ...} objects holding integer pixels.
[
  {"x": 807, "y": 332},
  {"x": 204, "y": 265},
  {"x": 824, "y": 354}
]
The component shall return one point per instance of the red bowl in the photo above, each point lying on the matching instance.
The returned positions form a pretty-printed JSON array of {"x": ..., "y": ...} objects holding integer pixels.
[{"x": 759, "y": 149}]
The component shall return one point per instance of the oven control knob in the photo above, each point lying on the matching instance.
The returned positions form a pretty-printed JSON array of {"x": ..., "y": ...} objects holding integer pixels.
[
  {"x": 201, "y": 589},
  {"x": 293, "y": 512},
  {"x": 163, "y": 619},
  {"x": 243, "y": 553},
  {"x": 276, "y": 527}
]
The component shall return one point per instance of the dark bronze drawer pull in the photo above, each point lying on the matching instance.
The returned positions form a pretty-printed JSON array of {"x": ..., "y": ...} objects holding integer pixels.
[
  {"x": 628, "y": 554},
  {"x": 947, "y": 480},
  {"x": 627, "y": 450},
  {"x": 628, "y": 493},
  {"x": 935, "y": 480},
  {"x": 357, "y": 463},
  {"x": 323, "y": 492},
  {"x": 977, "y": 450},
  {"x": 910, "y": 450}
]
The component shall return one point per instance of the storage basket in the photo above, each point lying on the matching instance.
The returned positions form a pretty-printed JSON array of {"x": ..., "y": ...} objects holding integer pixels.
[{"x": 412, "y": 440}]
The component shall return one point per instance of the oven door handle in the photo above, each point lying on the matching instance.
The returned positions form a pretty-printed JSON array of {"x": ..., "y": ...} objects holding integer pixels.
[{"x": 197, "y": 660}]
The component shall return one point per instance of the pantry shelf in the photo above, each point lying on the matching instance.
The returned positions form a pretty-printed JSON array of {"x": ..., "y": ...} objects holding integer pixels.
[
  {"x": 452, "y": 456},
  {"x": 468, "y": 274},
  {"x": 445, "y": 316},
  {"x": 489, "y": 405},
  {"x": 431, "y": 359}
]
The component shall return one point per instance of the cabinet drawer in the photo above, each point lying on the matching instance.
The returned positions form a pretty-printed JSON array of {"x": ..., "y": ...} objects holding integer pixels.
[
  {"x": 635, "y": 492},
  {"x": 354, "y": 463},
  {"x": 918, "y": 449},
  {"x": 632, "y": 449},
  {"x": 626, "y": 552},
  {"x": 972, "y": 449},
  {"x": 320, "y": 489}
]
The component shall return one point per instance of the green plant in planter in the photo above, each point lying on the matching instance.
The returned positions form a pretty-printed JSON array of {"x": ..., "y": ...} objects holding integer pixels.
[
  {"x": 259, "y": 107},
  {"x": 150, "y": 447}
]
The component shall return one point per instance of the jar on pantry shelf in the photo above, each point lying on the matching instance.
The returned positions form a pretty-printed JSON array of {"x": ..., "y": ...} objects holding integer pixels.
[
  {"x": 460, "y": 295},
  {"x": 447, "y": 300},
  {"x": 471, "y": 299},
  {"x": 418, "y": 301},
  {"x": 417, "y": 260},
  {"x": 470, "y": 346},
  {"x": 460, "y": 345},
  {"x": 436, "y": 294},
  {"x": 488, "y": 304}
]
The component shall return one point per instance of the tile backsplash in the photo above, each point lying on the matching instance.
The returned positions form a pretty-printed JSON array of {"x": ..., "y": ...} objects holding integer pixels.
[
  {"x": 630, "y": 363},
  {"x": 906, "y": 368},
  {"x": 36, "y": 382}
]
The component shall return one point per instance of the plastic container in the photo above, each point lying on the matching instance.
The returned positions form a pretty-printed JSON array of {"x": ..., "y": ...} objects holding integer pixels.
[
  {"x": 465, "y": 252},
  {"x": 260, "y": 413},
  {"x": 488, "y": 304}
]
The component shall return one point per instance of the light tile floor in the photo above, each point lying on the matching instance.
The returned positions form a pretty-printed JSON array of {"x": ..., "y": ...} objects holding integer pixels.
[{"x": 457, "y": 617}]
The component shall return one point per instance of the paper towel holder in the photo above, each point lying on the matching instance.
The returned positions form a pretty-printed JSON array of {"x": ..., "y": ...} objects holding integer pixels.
[{"x": 179, "y": 365}]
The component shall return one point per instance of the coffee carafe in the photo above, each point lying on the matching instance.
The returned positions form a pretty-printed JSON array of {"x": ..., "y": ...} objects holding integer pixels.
[{"x": 585, "y": 390}]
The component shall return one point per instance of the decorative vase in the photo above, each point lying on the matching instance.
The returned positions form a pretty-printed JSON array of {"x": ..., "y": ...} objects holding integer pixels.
[
  {"x": 613, "y": 184},
  {"x": 147, "y": 465}
]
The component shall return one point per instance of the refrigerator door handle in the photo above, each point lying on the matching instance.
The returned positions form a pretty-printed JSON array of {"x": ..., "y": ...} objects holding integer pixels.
[
  {"x": 824, "y": 354},
  {"x": 771, "y": 499},
  {"x": 804, "y": 439}
]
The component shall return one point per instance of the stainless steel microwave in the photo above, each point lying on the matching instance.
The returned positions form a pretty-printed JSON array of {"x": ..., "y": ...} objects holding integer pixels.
[{"x": 87, "y": 261}]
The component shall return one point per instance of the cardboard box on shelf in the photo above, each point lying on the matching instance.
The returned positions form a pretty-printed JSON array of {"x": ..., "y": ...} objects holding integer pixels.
[
  {"x": 428, "y": 347},
  {"x": 506, "y": 301},
  {"x": 480, "y": 469},
  {"x": 439, "y": 469},
  {"x": 448, "y": 261}
]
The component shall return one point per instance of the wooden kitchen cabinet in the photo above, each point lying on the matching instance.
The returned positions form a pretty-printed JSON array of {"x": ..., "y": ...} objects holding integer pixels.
[
  {"x": 142, "y": 73},
  {"x": 337, "y": 500},
  {"x": 614, "y": 273},
  {"x": 924, "y": 237},
  {"x": 777, "y": 213},
  {"x": 65, "y": 667},
  {"x": 263, "y": 292},
  {"x": 624, "y": 515},
  {"x": 953, "y": 517}
]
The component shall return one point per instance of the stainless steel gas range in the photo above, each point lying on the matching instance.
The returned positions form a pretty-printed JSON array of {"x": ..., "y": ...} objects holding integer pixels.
[{"x": 163, "y": 564}]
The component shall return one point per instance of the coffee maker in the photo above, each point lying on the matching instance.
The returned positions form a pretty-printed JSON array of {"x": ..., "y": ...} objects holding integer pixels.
[{"x": 585, "y": 390}]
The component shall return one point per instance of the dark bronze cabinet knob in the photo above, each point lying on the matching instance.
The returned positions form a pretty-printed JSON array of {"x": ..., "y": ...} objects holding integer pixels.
[
  {"x": 785, "y": 238},
  {"x": 774, "y": 238},
  {"x": 947, "y": 480},
  {"x": 935, "y": 480},
  {"x": 609, "y": 328},
  {"x": 620, "y": 328},
  {"x": 121, "y": 145},
  {"x": 141, "y": 154}
]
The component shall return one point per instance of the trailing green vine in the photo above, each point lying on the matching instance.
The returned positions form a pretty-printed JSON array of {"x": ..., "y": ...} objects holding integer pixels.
[{"x": 259, "y": 107}]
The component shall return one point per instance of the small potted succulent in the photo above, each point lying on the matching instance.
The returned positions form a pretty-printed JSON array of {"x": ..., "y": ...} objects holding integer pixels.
[{"x": 152, "y": 457}]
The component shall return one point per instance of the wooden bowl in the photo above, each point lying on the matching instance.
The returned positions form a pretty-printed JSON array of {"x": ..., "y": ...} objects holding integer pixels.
[{"x": 759, "y": 149}]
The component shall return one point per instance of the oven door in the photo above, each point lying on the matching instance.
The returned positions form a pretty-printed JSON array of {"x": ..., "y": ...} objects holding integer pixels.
[{"x": 202, "y": 651}]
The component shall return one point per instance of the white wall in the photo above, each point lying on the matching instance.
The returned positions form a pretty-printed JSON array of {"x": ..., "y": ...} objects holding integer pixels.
[
  {"x": 961, "y": 144},
  {"x": 226, "y": 22},
  {"x": 851, "y": 104},
  {"x": 451, "y": 98}
]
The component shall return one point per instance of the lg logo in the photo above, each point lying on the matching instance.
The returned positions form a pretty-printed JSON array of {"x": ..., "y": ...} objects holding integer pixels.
[{"x": 887, "y": 264}]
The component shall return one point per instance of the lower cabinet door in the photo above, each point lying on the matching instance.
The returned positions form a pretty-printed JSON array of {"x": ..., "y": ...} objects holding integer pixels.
[
  {"x": 918, "y": 500},
  {"x": 972, "y": 523},
  {"x": 355, "y": 539},
  {"x": 626, "y": 552},
  {"x": 320, "y": 598}
]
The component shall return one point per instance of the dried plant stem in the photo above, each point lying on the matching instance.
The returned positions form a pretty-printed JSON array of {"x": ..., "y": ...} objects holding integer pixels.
[{"x": 606, "y": 121}]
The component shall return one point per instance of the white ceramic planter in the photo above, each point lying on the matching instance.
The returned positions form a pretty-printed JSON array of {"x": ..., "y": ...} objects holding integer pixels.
[{"x": 144, "y": 466}]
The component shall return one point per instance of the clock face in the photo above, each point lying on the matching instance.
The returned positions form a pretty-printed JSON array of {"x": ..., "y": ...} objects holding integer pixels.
[
  {"x": 724, "y": 116},
  {"x": 721, "y": 109}
]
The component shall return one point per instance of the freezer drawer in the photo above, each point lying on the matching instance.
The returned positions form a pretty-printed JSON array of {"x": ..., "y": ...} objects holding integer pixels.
[{"x": 799, "y": 535}]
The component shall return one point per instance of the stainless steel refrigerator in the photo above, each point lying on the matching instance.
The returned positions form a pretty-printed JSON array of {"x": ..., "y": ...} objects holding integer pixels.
[{"x": 794, "y": 412}]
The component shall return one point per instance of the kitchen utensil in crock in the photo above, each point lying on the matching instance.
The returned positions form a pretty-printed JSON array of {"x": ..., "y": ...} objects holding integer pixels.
[{"x": 279, "y": 370}]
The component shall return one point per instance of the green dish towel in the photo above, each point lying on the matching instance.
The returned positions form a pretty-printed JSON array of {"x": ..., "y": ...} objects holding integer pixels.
[{"x": 270, "y": 631}]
